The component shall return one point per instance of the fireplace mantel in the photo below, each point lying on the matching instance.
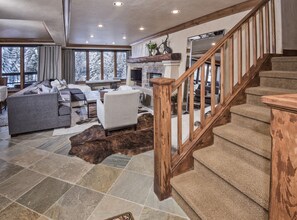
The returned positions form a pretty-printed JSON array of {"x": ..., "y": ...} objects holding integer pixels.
[{"x": 156, "y": 58}]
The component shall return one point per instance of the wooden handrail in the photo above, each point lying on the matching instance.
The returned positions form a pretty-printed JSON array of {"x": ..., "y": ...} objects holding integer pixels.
[
  {"x": 218, "y": 45},
  {"x": 233, "y": 78}
]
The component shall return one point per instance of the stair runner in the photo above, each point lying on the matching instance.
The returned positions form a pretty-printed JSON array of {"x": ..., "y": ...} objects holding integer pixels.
[{"x": 231, "y": 178}]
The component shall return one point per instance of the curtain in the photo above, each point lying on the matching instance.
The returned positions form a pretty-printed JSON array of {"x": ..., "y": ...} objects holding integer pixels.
[
  {"x": 49, "y": 62},
  {"x": 68, "y": 66}
]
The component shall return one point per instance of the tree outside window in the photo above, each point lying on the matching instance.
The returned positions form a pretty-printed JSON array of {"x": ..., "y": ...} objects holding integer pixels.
[
  {"x": 108, "y": 58},
  {"x": 122, "y": 65},
  {"x": 95, "y": 65},
  {"x": 80, "y": 66}
]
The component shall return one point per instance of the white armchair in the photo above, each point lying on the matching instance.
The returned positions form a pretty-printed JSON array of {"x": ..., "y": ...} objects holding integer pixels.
[{"x": 119, "y": 109}]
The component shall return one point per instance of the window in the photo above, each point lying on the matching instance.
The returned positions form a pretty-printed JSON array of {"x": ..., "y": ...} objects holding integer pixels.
[
  {"x": 80, "y": 66},
  {"x": 122, "y": 65},
  {"x": 11, "y": 65},
  {"x": 108, "y": 59},
  {"x": 95, "y": 65},
  {"x": 31, "y": 65},
  {"x": 99, "y": 65}
]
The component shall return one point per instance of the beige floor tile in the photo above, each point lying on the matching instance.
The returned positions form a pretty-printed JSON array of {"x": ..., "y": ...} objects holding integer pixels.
[
  {"x": 111, "y": 206},
  {"x": 167, "y": 205},
  {"x": 4, "y": 202},
  {"x": 73, "y": 170},
  {"x": 14, "y": 151},
  {"x": 100, "y": 178},
  {"x": 44, "y": 195},
  {"x": 20, "y": 183},
  {"x": 18, "y": 212},
  {"x": 132, "y": 186},
  {"x": 5, "y": 144},
  {"x": 34, "y": 143},
  {"x": 117, "y": 160},
  {"x": 76, "y": 204},
  {"x": 142, "y": 164},
  {"x": 149, "y": 214},
  {"x": 7, "y": 170},
  {"x": 50, "y": 164},
  {"x": 55, "y": 143},
  {"x": 28, "y": 158}
]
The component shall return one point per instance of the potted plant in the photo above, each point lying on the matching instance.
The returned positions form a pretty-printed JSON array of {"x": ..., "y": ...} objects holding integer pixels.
[{"x": 151, "y": 46}]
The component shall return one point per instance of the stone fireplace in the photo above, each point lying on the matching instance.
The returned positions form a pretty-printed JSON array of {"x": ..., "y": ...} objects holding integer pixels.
[{"x": 166, "y": 65}]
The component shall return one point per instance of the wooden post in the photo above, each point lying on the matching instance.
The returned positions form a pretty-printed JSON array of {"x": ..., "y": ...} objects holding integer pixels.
[
  {"x": 162, "y": 89},
  {"x": 283, "y": 130}
]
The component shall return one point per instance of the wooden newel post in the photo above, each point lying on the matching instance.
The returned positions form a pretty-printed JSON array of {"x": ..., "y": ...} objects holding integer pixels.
[
  {"x": 283, "y": 188},
  {"x": 162, "y": 136}
]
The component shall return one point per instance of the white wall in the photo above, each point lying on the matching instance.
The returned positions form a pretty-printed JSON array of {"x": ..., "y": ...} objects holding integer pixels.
[{"x": 178, "y": 40}]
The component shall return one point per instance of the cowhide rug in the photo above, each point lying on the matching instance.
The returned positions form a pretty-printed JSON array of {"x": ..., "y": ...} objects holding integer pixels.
[{"x": 93, "y": 146}]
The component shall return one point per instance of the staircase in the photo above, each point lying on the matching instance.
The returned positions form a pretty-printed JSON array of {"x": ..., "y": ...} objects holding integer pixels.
[{"x": 231, "y": 178}]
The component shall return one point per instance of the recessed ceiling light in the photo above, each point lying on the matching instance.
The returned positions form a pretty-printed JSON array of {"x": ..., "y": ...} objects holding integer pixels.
[
  {"x": 87, "y": 42},
  {"x": 100, "y": 25},
  {"x": 113, "y": 42},
  {"x": 175, "y": 11},
  {"x": 124, "y": 37},
  {"x": 141, "y": 28},
  {"x": 213, "y": 43},
  {"x": 91, "y": 36},
  {"x": 118, "y": 4}
]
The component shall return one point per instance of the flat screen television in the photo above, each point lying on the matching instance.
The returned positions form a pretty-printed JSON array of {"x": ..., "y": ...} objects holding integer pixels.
[{"x": 136, "y": 75}]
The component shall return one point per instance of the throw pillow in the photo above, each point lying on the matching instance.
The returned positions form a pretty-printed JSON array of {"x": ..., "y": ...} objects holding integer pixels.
[{"x": 45, "y": 89}]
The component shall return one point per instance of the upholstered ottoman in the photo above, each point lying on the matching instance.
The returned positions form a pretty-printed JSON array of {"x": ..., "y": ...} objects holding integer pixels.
[{"x": 3, "y": 96}]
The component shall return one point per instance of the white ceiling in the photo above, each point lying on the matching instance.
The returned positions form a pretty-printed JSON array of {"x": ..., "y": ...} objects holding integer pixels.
[{"x": 42, "y": 18}]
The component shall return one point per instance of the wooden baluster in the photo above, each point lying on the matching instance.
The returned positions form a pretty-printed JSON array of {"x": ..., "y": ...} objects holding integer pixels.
[
  {"x": 179, "y": 117},
  {"x": 254, "y": 19},
  {"x": 247, "y": 47},
  {"x": 191, "y": 107},
  {"x": 213, "y": 85},
  {"x": 231, "y": 65},
  {"x": 261, "y": 29},
  {"x": 222, "y": 68},
  {"x": 162, "y": 89},
  {"x": 239, "y": 55},
  {"x": 202, "y": 96},
  {"x": 273, "y": 33},
  {"x": 267, "y": 28}
]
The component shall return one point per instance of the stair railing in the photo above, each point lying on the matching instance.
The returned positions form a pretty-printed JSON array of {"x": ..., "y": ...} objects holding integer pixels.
[{"x": 238, "y": 51}]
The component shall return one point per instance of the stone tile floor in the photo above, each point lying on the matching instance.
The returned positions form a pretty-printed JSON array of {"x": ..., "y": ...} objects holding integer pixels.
[{"x": 38, "y": 180}]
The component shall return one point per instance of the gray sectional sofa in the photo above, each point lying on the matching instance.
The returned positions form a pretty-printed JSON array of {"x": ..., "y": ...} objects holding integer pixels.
[{"x": 28, "y": 112}]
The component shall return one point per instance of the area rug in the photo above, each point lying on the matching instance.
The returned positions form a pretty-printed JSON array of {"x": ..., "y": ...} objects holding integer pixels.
[
  {"x": 124, "y": 216},
  {"x": 94, "y": 146}
]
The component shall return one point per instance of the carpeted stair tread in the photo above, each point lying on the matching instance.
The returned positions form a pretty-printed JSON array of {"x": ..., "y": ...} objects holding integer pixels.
[
  {"x": 284, "y": 63},
  {"x": 262, "y": 90},
  {"x": 212, "y": 198},
  {"x": 247, "y": 138},
  {"x": 279, "y": 74},
  {"x": 248, "y": 179},
  {"x": 252, "y": 111}
]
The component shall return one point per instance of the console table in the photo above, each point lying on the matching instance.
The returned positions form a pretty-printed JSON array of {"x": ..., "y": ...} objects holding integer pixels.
[{"x": 109, "y": 82}]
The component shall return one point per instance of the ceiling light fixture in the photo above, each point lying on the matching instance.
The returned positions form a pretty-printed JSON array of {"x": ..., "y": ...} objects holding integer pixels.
[
  {"x": 141, "y": 28},
  {"x": 113, "y": 42},
  {"x": 124, "y": 37},
  {"x": 87, "y": 42},
  {"x": 118, "y": 4},
  {"x": 175, "y": 11},
  {"x": 100, "y": 25},
  {"x": 91, "y": 36},
  {"x": 213, "y": 43}
]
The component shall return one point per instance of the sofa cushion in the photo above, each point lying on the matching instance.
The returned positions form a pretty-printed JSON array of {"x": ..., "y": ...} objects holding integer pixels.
[
  {"x": 77, "y": 95},
  {"x": 64, "y": 110}
]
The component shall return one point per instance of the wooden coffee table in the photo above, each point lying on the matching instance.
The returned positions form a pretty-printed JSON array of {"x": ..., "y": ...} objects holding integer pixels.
[{"x": 91, "y": 98}]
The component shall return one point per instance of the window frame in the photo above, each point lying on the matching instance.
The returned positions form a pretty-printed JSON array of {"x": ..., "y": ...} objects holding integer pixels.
[
  {"x": 22, "y": 63},
  {"x": 102, "y": 62}
]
